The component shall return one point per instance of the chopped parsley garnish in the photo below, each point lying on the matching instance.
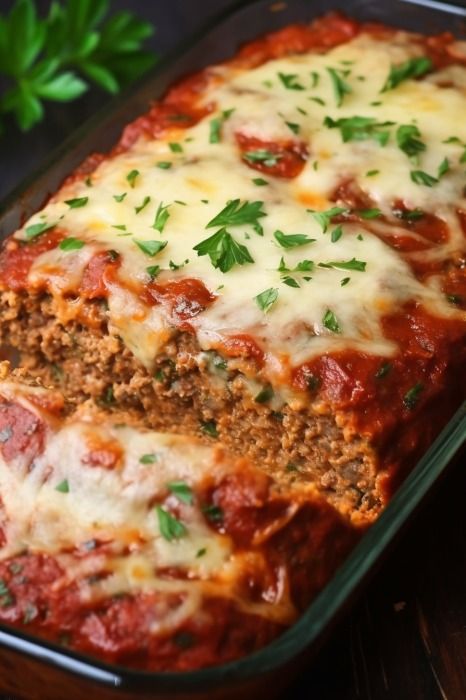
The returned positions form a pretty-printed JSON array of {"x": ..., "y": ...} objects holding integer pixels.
[
  {"x": 260, "y": 182},
  {"x": 302, "y": 111},
  {"x": 210, "y": 428},
  {"x": 315, "y": 77},
  {"x": 223, "y": 250},
  {"x": 292, "y": 126},
  {"x": 77, "y": 202},
  {"x": 149, "y": 458},
  {"x": 264, "y": 394},
  {"x": 324, "y": 217},
  {"x": 422, "y": 178},
  {"x": 443, "y": 168},
  {"x": 360, "y": 128},
  {"x": 371, "y": 173},
  {"x": 119, "y": 197},
  {"x": 292, "y": 240},
  {"x": 215, "y": 127},
  {"x": 369, "y": 213},
  {"x": 291, "y": 282},
  {"x": 262, "y": 155},
  {"x": 88, "y": 181},
  {"x": 71, "y": 244},
  {"x": 213, "y": 513},
  {"x": 237, "y": 214},
  {"x": 131, "y": 177},
  {"x": 120, "y": 227},
  {"x": 383, "y": 370},
  {"x": 409, "y": 214},
  {"x": 143, "y": 204},
  {"x": 175, "y": 147},
  {"x": 353, "y": 264},
  {"x": 411, "y": 398},
  {"x": 340, "y": 86},
  {"x": 330, "y": 322},
  {"x": 336, "y": 234},
  {"x": 266, "y": 299},
  {"x": 170, "y": 527},
  {"x": 37, "y": 229},
  {"x": 161, "y": 217},
  {"x": 290, "y": 81},
  {"x": 201, "y": 552},
  {"x": 63, "y": 486},
  {"x": 150, "y": 248},
  {"x": 317, "y": 100},
  {"x": 406, "y": 138},
  {"x": 182, "y": 491},
  {"x": 345, "y": 281},
  {"x": 412, "y": 68},
  {"x": 153, "y": 271},
  {"x": 164, "y": 164},
  {"x": 303, "y": 266},
  {"x": 174, "y": 266}
]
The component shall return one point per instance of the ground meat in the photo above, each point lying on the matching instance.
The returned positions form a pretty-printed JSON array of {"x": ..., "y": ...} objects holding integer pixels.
[{"x": 88, "y": 362}]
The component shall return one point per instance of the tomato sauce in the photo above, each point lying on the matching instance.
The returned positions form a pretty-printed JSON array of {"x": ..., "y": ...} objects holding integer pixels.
[
  {"x": 17, "y": 257},
  {"x": 279, "y": 159},
  {"x": 21, "y": 431},
  {"x": 184, "y": 299}
]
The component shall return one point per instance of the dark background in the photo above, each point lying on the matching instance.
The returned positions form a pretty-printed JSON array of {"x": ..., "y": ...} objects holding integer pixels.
[{"x": 406, "y": 638}]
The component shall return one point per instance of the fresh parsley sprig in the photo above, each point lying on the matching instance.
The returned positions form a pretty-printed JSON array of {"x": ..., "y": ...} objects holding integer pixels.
[{"x": 55, "y": 58}]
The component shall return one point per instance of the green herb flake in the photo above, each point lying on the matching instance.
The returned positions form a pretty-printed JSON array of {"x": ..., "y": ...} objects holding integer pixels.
[
  {"x": 443, "y": 168},
  {"x": 360, "y": 128},
  {"x": 406, "y": 138},
  {"x": 77, "y": 203},
  {"x": 161, "y": 217},
  {"x": 201, "y": 552},
  {"x": 421, "y": 178},
  {"x": 119, "y": 197},
  {"x": 63, "y": 486},
  {"x": 164, "y": 164},
  {"x": 369, "y": 213},
  {"x": 150, "y": 248},
  {"x": 290, "y": 81},
  {"x": 371, "y": 173},
  {"x": 224, "y": 251},
  {"x": 175, "y": 147},
  {"x": 213, "y": 513},
  {"x": 345, "y": 281},
  {"x": 264, "y": 395},
  {"x": 209, "y": 428},
  {"x": 353, "y": 264},
  {"x": 143, "y": 204},
  {"x": 295, "y": 128},
  {"x": 336, "y": 234},
  {"x": 340, "y": 86},
  {"x": 170, "y": 527},
  {"x": 68, "y": 244},
  {"x": 237, "y": 213},
  {"x": 260, "y": 182},
  {"x": 412, "y": 68},
  {"x": 149, "y": 458},
  {"x": 411, "y": 398},
  {"x": 263, "y": 156},
  {"x": 317, "y": 100},
  {"x": 182, "y": 491},
  {"x": 292, "y": 240},
  {"x": 266, "y": 299},
  {"x": 409, "y": 214},
  {"x": 315, "y": 77},
  {"x": 324, "y": 218},
  {"x": 131, "y": 177},
  {"x": 384, "y": 369},
  {"x": 35, "y": 230},
  {"x": 215, "y": 126},
  {"x": 330, "y": 322},
  {"x": 291, "y": 282}
]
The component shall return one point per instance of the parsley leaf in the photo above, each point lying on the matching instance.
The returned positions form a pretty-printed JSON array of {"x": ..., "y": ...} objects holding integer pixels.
[
  {"x": 119, "y": 197},
  {"x": 340, "y": 86},
  {"x": 181, "y": 491},
  {"x": 237, "y": 214},
  {"x": 63, "y": 486},
  {"x": 150, "y": 248},
  {"x": 132, "y": 176},
  {"x": 293, "y": 240},
  {"x": 369, "y": 213},
  {"x": 260, "y": 182},
  {"x": 290, "y": 281},
  {"x": 324, "y": 218},
  {"x": 224, "y": 252},
  {"x": 215, "y": 126},
  {"x": 262, "y": 155},
  {"x": 71, "y": 244},
  {"x": 412, "y": 68},
  {"x": 289, "y": 80},
  {"x": 336, "y": 234},
  {"x": 292, "y": 126},
  {"x": 170, "y": 527},
  {"x": 175, "y": 147},
  {"x": 266, "y": 299},
  {"x": 144, "y": 204},
  {"x": 411, "y": 397},
  {"x": 161, "y": 217},
  {"x": 360, "y": 128},
  {"x": 164, "y": 164},
  {"x": 422, "y": 178},
  {"x": 353, "y": 264},
  {"x": 77, "y": 202},
  {"x": 37, "y": 229},
  {"x": 149, "y": 458},
  {"x": 406, "y": 138},
  {"x": 330, "y": 322},
  {"x": 443, "y": 168}
]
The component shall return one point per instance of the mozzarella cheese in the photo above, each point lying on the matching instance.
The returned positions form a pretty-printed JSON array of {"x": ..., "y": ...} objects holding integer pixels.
[{"x": 204, "y": 176}]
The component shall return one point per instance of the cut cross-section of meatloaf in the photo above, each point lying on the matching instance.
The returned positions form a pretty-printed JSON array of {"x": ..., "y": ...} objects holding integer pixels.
[
  {"x": 274, "y": 256},
  {"x": 147, "y": 549}
]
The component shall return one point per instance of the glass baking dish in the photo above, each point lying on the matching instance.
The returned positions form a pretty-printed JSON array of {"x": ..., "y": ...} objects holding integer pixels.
[{"x": 28, "y": 665}]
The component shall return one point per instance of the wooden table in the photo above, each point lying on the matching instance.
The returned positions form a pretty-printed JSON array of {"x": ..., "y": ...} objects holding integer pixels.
[{"x": 406, "y": 639}]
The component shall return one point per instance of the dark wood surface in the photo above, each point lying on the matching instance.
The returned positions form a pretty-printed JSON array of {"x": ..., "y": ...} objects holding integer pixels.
[{"x": 406, "y": 638}]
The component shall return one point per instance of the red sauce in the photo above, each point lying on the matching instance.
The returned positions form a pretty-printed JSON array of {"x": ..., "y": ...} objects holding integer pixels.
[
  {"x": 184, "y": 299},
  {"x": 242, "y": 345},
  {"x": 17, "y": 257},
  {"x": 286, "y": 159},
  {"x": 100, "y": 270},
  {"x": 21, "y": 431}
]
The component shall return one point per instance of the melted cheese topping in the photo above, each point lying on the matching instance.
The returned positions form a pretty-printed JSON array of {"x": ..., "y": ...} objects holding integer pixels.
[
  {"x": 117, "y": 506},
  {"x": 204, "y": 176}
]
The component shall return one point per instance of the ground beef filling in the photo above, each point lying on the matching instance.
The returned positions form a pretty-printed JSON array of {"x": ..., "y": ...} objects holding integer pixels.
[{"x": 86, "y": 362}]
